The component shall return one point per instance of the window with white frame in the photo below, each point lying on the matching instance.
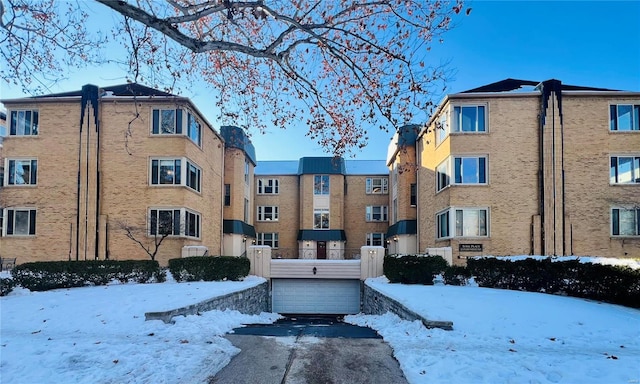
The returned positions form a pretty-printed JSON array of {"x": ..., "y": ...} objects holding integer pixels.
[
  {"x": 23, "y": 123},
  {"x": 172, "y": 122},
  {"x": 20, "y": 222},
  {"x": 442, "y": 225},
  {"x": 469, "y": 222},
  {"x": 624, "y": 117},
  {"x": 443, "y": 175},
  {"x": 267, "y": 213},
  {"x": 442, "y": 129},
  {"x": 22, "y": 172},
  {"x": 377, "y": 185},
  {"x": 174, "y": 222},
  {"x": 375, "y": 239},
  {"x": 468, "y": 118},
  {"x": 269, "y": 239},
  {"x": 321, "y": 184},
  {"x": 321, "y": 219},
  {"x": 470, "y": 170},
  {"x": 246, "y": 171},
  {"x": 268, "y": 186},
  {"x": 377, "y": 213},
  {"x": 194, "y": 131},
  {"x": 625, "y": 221},
  {"x": 624, "y": 170},
  {"x": 171, "y": 172}
]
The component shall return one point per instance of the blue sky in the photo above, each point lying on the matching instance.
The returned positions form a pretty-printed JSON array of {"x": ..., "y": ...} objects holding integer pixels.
[{"x": 589, "y": 43}]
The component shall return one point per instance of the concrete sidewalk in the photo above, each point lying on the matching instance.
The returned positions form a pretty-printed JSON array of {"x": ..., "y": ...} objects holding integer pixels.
[{"x": 310, "y": 360}]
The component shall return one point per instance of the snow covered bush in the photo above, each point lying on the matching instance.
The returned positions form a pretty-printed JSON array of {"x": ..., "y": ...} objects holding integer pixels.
[
  {"x": 6, "y": 286},
  {"x": 413, "y": 269},
  {"x": 46, "y": 275},
  {"x": 209, "y": 268}
]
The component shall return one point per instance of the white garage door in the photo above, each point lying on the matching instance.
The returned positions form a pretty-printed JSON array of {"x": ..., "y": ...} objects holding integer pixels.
[{"x": 315, "y": 296}]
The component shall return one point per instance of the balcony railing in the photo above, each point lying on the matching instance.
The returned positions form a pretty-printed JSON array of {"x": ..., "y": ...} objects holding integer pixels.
[{"x": 311, "y": 253}]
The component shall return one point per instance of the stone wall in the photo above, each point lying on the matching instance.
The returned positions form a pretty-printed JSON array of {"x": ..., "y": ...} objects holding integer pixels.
[
  {"x": 376, "y": 303},
  {"x": 251, "y": 301}
]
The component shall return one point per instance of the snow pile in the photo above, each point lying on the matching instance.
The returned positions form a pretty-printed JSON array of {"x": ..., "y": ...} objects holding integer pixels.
[
  {"x": 99, "y": 335},
  {"x": 505, "y": 336}
]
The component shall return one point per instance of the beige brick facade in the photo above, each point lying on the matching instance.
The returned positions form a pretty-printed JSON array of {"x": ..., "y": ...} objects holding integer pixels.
[{"x": 546, "y": 193}]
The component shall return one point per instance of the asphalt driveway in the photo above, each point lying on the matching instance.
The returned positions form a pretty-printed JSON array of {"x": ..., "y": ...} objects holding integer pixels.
[{"x": 305, "y": 350}]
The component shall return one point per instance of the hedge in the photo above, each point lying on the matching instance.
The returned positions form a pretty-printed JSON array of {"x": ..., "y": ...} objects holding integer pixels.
[
  {"x": 412, "y": 269},
  {"x": 607, "y": 283},
  {"x": 209, "y": 268},
  {"x": 6, "y": 286},
  {"x": 46, "y": 275}
]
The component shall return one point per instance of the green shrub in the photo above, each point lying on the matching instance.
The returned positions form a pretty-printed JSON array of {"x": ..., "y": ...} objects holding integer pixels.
[
  {"x": 412, "y": 269},
  {"x": 6, "y": 286},
  {"x": 46, "y": 275},
  {"x": 608, "y": 283},
  {"x": 456, "y": 275},
  {"x": 209, "y": 268}
]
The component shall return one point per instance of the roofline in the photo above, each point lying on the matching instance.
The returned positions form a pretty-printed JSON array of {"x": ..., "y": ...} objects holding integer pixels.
[
  {"x": 47, "y": 99},
  {"x": 499, "y": 95}
]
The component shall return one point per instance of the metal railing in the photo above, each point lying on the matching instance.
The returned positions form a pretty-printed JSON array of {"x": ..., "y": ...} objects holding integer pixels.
[{"x": 311, "y": 253}]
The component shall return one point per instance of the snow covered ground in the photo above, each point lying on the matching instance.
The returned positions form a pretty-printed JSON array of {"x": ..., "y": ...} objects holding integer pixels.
[
  {"x": 98, "y": 335},
  {"x": 505, "y": 336}
]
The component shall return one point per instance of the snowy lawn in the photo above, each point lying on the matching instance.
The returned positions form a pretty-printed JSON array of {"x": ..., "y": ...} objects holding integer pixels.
[
  {"x": 505, "y": 336},
  {"x": 99, "y": 335}
]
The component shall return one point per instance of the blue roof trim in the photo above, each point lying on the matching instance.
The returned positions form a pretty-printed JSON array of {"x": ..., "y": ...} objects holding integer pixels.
[
  {"x": 238, "y": 226},
  {"x": 322, "y": 165},
  {"x": 403, "y": 227},
  {"x": 322, "y": 235},
  {"x": 235, "y": 137}
]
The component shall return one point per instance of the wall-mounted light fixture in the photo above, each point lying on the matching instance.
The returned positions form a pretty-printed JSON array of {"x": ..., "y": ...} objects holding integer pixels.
[
  {"x": 244, "y": 239},
  {"x": 308, "y": 244},
  {"x": 395, "y": 238}
]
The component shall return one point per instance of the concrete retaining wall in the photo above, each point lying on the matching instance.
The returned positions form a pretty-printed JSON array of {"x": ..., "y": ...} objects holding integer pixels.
[
  {"x": 251, "y": 301},
  {"x": 376, "y": 303}
]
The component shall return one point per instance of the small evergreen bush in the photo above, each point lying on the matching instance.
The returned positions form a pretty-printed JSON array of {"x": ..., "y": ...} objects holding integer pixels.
[
  {"x": 6, "y": 286},
  {"x": 412, "y": 269},
  {"x": 209, "y": 268},
  {"x": 46, "y": 275}
]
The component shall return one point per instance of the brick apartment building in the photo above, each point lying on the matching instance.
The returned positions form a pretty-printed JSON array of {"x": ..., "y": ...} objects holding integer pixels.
[
  {"x": 522, "y": 167},
  {"x": 514, "y": 167}
]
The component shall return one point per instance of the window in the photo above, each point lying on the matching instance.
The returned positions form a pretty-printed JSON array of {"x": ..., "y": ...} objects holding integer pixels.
[
  {"x": 166, "y": 171},
  {"x": 321, "y": 219},
  {"x": 377, "y": 213},
  {"x": 321, "y": 184},
  {"x": 443, "y": 175},
  {"x": 227, "y": 195},
  {"x": 24, "y": 123},
  {"x": 470, "y": 170},
  {"x": 625, "y": 170},
  {"x": 375, "y": 239},
  {"x": 194, "y": 175},
  {"x": 246, "y": 210},
  {"x": 170, "y": 122},
  {"x": 174, "y": 222},
  {"x": 20, "y": 222},
  {"x": 468, "y": 118},
  {"x": 246, "y": 171},
  {"x": 167, "y": 122},
  {"x": 268, "y": 186},
  {"x": 194, "y": 129},
  {"x": 624, "y": 117},
  {"x": 625, "y": 222},
  {"x": 377, "y": 185},
  {"x": 22, "y": 172},
  {"x": 192, "y": 224},
  {"x": 267, "y": 213},
  {"x": 171, "y": 172},
  {"x": 442, "y": 224},
  {"x": 442, "y": 129},
  {"x": 469, "y": 222},
  {"x": 414, "y": 195},
  {"x": 269, "y": 239}
]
